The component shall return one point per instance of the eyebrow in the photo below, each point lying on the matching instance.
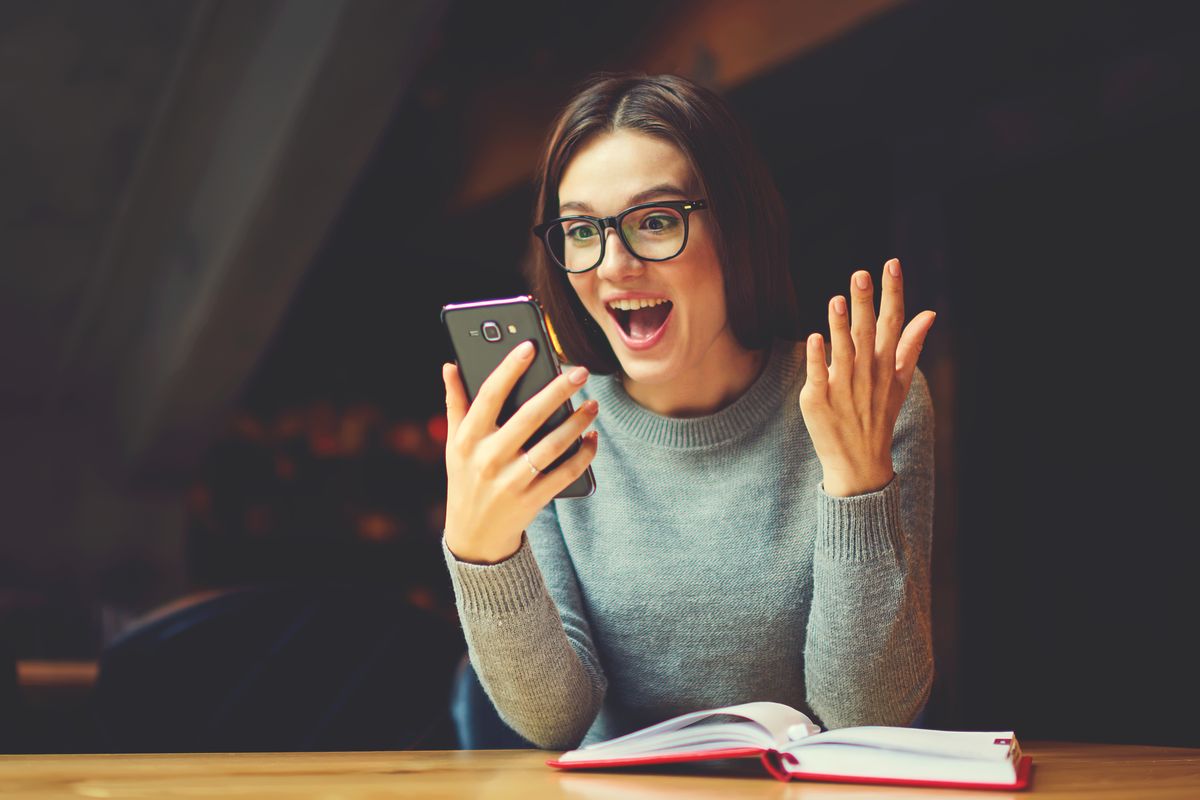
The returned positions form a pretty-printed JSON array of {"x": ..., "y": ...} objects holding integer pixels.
[{"x": 641, "y": 197}]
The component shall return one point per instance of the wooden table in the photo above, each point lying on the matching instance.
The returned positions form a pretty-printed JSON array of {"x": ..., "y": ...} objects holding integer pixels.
[{"x": 1062, "y": 770}]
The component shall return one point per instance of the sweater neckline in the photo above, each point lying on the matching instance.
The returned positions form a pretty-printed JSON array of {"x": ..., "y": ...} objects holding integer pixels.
[{"x": 742, "y": 416}]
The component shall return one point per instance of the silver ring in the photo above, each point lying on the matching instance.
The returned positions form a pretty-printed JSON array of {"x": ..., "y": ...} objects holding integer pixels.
[{"x": 532, "y": 469}]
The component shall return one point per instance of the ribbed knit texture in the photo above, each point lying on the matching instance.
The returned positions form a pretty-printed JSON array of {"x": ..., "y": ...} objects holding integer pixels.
[{"x": 709, "y": 569}]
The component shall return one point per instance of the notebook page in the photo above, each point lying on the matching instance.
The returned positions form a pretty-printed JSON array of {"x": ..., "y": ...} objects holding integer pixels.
[
  {"x": 773, "y": 718},
  {"x": 866, "y": 762},
  {"x": 980, "y": 745}
]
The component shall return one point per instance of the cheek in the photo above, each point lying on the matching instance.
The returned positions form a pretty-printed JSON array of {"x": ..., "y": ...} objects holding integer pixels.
[
  {"x": 705, "y": 282},
  {"x": 584, "y": 285}
]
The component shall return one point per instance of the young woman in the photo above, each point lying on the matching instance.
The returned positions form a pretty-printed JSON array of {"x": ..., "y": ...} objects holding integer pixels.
[{"x": 761, "y": 526}]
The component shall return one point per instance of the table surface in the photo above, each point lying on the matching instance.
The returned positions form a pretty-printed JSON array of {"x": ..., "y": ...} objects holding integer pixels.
[{"x": 1062, "y": 770}]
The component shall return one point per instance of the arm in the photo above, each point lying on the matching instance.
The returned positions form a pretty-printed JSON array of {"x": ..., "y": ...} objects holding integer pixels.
[
  {"x": 495, "y": 496},
  {"x": 869, "y": 651},
  {"x": 529, "y": 638},
  {"x": 868, "y": 655}
]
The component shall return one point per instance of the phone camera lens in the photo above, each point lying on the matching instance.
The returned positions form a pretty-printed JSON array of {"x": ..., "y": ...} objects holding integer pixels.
[{"x": 491, "y": 331}]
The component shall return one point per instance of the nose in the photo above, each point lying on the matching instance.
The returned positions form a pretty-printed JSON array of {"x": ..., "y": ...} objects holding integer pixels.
[{"x": 619, "y": 263}]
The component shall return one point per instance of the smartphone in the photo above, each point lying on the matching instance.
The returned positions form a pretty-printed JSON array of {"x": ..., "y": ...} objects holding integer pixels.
[{"x": 482, "y": 334}]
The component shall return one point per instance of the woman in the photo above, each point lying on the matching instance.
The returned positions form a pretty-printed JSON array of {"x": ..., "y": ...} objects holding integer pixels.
[{"x": 762, "y": 520}]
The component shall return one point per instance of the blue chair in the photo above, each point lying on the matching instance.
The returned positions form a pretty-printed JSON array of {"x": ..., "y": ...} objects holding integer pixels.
[{"x": 476, "y": 722}]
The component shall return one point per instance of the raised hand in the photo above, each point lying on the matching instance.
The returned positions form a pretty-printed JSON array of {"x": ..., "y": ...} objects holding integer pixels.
[
  {"x": 493, "y": 490},
  {"x": 851, "y": 401}
]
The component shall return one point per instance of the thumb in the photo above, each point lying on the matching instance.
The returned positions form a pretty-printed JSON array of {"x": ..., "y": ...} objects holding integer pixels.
[{"x": 911, "y": 343}]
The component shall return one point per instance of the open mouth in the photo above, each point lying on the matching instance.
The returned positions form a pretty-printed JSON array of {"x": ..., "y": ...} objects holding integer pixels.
[{"x": 641, "y": 319}]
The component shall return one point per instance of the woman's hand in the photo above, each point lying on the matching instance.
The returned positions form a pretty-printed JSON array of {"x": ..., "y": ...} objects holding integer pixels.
[
  {"x": 851, "y": 405},
  {"x": 492, "y": 493}
]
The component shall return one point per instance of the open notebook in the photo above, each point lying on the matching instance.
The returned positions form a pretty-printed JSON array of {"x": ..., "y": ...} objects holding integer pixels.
[{"x": 790, "y": 747}]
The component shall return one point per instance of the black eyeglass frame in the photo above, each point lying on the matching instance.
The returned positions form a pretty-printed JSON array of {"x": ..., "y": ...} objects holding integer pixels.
[{"x": 684, "y": 207}]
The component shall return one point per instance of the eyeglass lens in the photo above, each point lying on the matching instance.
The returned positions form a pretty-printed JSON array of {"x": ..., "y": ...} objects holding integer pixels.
[{"x": 651, "y": 233}]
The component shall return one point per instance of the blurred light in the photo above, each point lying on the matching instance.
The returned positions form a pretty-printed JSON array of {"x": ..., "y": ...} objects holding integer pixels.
[
  {"x": 247, "y": 427},
  {"x": 289, "y": 425},
  {"x": 422, "y": 597},
  {"x": 321, "y": 424},
  {"x": 437, "y": 427},
  {"x": 285, "y": 468},
  {"x": 406, "y": 438},
  {"x": 377, "y": 527},
  {"x": 323, "y": 444},
  {"x": 352, "y": 435}
]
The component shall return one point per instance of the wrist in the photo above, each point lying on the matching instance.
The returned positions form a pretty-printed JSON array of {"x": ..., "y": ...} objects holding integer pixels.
[
  {"x": 484, "y": 553},
  {"x": 848, "y": 483}
]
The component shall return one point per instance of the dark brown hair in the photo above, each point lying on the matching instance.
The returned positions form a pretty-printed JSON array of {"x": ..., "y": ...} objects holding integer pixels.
[{"x": 750, "y": 221}]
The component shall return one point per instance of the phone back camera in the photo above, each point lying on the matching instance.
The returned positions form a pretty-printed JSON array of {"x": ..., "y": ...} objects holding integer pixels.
[{"x": 491, "y": 331}]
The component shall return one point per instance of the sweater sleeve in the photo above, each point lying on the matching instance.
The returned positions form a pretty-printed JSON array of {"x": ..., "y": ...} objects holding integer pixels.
[
  {"x": 869, "y": 650},
  {"x": 529, "y": 639}
]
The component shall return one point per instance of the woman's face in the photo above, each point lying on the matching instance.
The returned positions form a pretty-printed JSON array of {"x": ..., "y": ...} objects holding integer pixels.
[{"x": 655, "y": 344}]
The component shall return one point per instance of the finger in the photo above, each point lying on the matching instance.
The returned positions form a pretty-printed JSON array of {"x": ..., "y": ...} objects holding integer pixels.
[
  {"x": 555, "y": 443},
  {"x": 911, "y": 343},
  {"x": 537, "y": 409},
  {"x": 862, "y": 322},
  {"x": 549, "y": 484},
  {"x": 480, "y": 419},
  {"x": 818, "y": 371},
  {"x": 456, "y": 399},
  {"x": 891, "y": 317},
  {"x": 839, "y": 340}
]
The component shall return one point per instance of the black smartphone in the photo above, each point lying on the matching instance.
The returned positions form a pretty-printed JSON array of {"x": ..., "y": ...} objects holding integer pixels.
[{"x": 482, "y": 334}]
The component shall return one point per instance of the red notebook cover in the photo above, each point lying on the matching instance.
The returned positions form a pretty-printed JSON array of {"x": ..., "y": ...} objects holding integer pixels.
[{"x": 771, "y": 760}]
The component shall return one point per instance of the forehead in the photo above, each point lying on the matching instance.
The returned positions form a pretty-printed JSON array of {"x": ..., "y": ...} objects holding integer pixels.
[{"x": 610, "y": 168}]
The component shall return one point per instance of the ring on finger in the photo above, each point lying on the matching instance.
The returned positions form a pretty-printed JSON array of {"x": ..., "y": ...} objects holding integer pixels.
[{"x": 532, "y": 469}]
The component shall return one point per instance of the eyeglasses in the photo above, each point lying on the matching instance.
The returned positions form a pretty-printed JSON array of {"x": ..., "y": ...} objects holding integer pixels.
[{"x": 655, "y": 231}]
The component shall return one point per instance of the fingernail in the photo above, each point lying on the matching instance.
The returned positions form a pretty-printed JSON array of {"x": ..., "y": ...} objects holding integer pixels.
[
  {"x": 591, "y": 407},
  {"x": 894, "y": 267},
  {"x": 578, "y": 375},
  {"x": 524, "y": 349},
  {"x": 593, "y": 435},
  {"x": 839, "y": 303},
  {"x": 862, "y": 280}
]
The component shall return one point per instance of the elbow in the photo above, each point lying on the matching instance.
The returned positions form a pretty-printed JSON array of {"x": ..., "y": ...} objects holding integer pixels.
[
  {"x": 557, "y": 732},
  {"x": 559, "y": 727},
  {"x": 893, "y": 704}
]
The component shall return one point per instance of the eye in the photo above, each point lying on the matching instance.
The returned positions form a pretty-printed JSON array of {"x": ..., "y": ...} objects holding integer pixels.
[
  {"x": 659, "y": 222},
  {"x": 581, "y": 232}
]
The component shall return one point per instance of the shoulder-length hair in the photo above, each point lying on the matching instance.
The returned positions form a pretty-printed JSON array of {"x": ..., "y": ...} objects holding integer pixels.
[{"x": 745, "y": 208}]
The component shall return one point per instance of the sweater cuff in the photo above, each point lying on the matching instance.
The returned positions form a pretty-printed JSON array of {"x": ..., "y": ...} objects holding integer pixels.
[
  {"x": 864, "y": 527},
  {"x": 496, "y": 589}
]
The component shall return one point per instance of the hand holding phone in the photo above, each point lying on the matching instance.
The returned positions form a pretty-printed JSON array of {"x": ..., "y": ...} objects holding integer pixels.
[{"x": 513, "y": 440}]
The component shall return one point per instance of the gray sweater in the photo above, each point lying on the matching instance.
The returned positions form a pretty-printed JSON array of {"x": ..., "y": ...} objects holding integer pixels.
[{"x": 710, "y": 568}]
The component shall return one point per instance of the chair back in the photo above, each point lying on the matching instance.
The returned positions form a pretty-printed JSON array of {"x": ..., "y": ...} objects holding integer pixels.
[{"x": 281, "y": 668}]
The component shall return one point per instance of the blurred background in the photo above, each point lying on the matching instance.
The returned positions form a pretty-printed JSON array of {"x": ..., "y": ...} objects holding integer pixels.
[{"x": 227, "y": 228}]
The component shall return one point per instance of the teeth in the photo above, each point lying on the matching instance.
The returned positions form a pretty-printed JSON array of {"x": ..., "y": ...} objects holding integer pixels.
[{"x": 636, "y": 303}]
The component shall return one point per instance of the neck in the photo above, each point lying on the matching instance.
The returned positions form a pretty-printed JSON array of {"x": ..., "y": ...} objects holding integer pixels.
[{"x": 724, "y": 375}]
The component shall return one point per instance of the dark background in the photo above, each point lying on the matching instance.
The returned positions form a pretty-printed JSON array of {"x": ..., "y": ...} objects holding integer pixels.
[{"x": 1030, "y": 163}]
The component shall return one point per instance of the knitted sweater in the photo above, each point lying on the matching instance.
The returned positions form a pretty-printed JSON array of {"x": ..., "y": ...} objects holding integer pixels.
[{"x": 710, "y": 568}]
